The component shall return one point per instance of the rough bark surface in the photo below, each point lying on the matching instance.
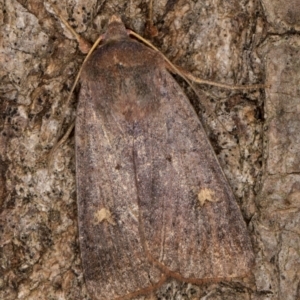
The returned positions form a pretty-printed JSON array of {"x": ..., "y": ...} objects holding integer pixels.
[{"x": 254, "y": 133}]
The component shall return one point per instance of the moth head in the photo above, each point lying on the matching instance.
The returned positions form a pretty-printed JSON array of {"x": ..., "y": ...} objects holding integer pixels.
[{"x": 116, "y": 29}]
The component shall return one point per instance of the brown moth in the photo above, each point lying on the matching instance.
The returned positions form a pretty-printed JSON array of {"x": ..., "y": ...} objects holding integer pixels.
[{"x": 153, "y": 201}]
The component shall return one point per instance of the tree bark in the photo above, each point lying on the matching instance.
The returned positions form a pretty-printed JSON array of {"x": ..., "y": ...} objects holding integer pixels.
[{"x": 255, "y": 133}]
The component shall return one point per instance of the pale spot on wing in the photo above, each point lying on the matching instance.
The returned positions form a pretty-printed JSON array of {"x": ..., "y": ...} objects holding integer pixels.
[
  {"x": 206, "y": 195},
  {"x": 103, "y": 215}
]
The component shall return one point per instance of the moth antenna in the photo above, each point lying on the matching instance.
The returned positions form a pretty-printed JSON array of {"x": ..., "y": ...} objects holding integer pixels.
[
  {"x": 84, "y": 45},
  {"x": 61, "y": 141},
  {"x": 189, "y": 77},
  {"x": 222, "y": 85}
]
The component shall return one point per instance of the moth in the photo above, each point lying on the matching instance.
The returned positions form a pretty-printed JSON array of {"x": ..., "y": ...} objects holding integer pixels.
[{"x": 153, "y": 201}]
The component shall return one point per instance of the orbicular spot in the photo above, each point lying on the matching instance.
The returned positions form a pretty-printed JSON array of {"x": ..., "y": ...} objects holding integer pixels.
[
  {"x": 206, "y": 195},
  {"x": 102, "y": 215}
]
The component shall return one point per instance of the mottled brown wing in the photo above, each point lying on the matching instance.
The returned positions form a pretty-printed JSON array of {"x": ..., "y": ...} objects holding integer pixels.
[
  {"x": 191, "y": 222},
  {"x": 152, "y": 198}
]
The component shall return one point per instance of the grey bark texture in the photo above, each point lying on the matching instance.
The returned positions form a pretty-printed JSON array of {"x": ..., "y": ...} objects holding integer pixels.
[{"x": 255, "y": 134}]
